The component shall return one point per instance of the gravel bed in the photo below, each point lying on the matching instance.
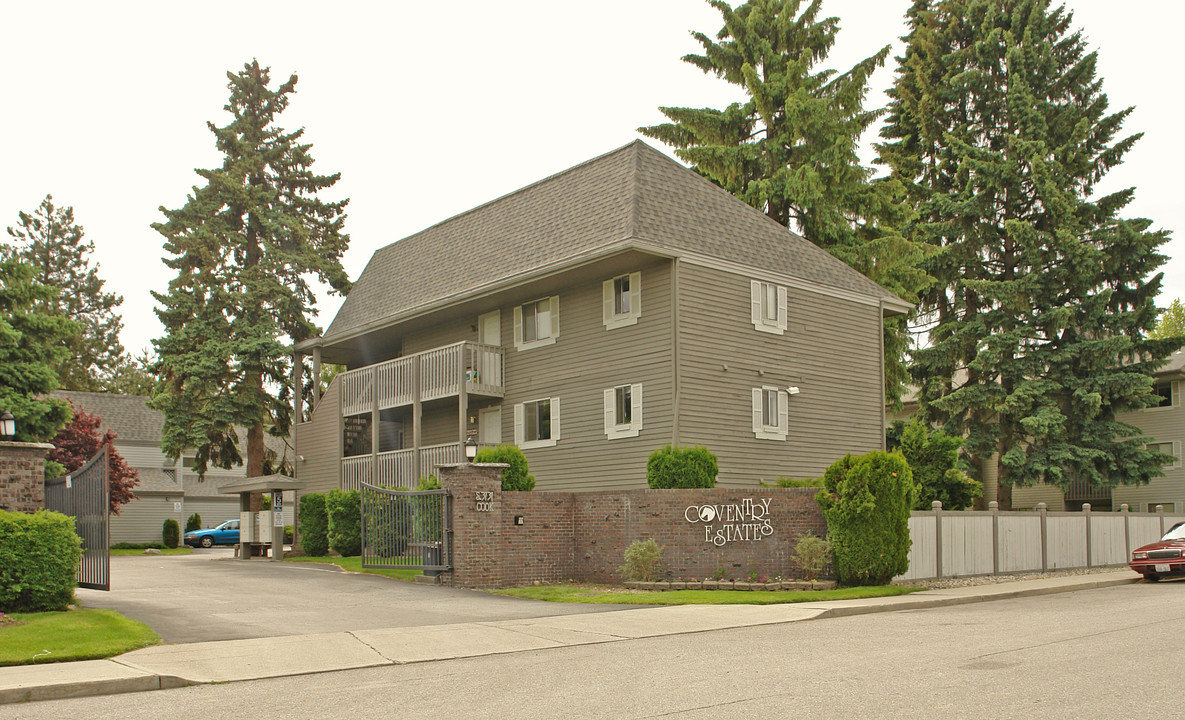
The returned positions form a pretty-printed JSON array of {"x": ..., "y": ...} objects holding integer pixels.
[{"x": 953, "y": 582}]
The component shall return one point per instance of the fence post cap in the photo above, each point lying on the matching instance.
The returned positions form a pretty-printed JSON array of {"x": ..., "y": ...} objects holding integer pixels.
[
  {"x": 993, "y": 505},
  {"x": 1086, "y": 507},
  {"x": 1123, "y": 507},
  {"x": 1042, "y": 506},
  {"x": 936, "y": 505}
]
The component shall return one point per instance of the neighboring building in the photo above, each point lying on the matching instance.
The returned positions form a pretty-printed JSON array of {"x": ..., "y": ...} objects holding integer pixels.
[
  {"x": 166, "y": 490},
  {"x": 1164, "y": 424},
  {"x": 591, "y": 318}
]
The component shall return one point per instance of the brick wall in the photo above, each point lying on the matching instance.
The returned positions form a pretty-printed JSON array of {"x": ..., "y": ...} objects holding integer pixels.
[
  {"x": 22, "y": 476},
  {"x": 583, "y": 536}
]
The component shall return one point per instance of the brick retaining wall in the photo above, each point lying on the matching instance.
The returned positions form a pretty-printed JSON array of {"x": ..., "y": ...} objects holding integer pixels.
[
  {"x": 22, "y": 476},
  {"x": 583, "y": 536}
]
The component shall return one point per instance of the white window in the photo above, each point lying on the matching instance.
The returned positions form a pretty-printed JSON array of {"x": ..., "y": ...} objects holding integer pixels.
[
  {"x": 623, "y": 411},
  {"x": 537, "y": 423},
  {"x": 769, "y": 307},
  {"x": 1168, "y": 448},
  {"x": 621, "y": 299},
  {"x": 537, "y": 323},
  {"x": 1169, "y": 392},
  {"x": 771, "y": 413}
]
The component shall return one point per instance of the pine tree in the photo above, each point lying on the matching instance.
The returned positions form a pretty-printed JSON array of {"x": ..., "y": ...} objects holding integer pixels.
[
  {"x": 1000, "y": 130},
  {"x": 244, "y": 247},
  {"x": 55, "y": 245},
  {"x": 32, "y": 345},
  {"x": 790, "y": 149}
]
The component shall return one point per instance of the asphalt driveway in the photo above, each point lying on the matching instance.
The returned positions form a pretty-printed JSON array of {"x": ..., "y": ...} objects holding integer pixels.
[{"x": 209, "y": 595}]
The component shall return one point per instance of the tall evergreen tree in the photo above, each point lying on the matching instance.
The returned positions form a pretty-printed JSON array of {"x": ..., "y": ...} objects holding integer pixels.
[
  {"x": 1000, "y": 130},
  {"x": 245, "y": 247},
  {"x": 790, "y": 148},
  {"x": 55, "y": 245},
  {"x": 32, "y": 344}
]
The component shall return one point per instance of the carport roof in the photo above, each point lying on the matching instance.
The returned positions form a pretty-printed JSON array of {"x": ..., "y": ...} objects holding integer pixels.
[{"x": 263, "y": 483}]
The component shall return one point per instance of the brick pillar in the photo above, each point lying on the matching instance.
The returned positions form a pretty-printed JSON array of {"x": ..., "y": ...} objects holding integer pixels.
[
  {"x": 22, "y": 476},
  {"x": 476, "y": 523}
]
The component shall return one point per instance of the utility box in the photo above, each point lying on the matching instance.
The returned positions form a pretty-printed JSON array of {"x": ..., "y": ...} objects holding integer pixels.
[
  {"x": 264, "y": 532},
  {"x": 247, "y": 532}
]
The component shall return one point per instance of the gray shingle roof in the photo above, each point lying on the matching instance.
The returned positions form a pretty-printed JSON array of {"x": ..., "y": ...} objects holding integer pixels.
[
  {"x": 128, "y": 416},
  {"x": 632, "y": 193}
]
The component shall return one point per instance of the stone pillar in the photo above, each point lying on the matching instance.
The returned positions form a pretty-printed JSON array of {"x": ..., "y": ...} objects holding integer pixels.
[
  {"x": 476, "y": 523},
  {"x": 22, "y": 476}
]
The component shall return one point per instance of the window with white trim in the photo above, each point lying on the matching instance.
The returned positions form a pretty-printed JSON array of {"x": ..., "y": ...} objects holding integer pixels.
[
  {"x": 537, "y": 323},
  {"x": 623, "y": 411},
  {"x": 621, "y": 300},
  {"x": 771, "y": 413},
  {"x": 769, "y": 307},
  {"x": 1169, "y": 392},
  {"x": 1168, "y": 448},
  {"x": 537, "y": 423}
]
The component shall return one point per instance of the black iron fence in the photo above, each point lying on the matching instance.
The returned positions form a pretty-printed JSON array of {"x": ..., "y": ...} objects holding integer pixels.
[
  {"x": 83, "y": 495},
  {"x": 407, "y": 529}
]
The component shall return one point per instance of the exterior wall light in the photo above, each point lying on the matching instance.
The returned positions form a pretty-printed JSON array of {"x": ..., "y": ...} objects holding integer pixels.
[
  {"x": 7, "y": 426},
  {"x": 470, "y": 449}
]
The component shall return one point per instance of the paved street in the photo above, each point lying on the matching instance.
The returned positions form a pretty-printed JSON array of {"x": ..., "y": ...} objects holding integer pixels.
[
  {"x": 1100, "y": 653},
  {"x": 210, "y": 596}
]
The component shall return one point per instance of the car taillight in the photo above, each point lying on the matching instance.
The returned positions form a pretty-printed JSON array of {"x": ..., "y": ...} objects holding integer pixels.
[{"x": 1139, "y": 556}]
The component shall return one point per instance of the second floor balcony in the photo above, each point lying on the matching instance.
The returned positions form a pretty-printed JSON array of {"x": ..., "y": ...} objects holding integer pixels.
[{"x": 441, "y": 372}]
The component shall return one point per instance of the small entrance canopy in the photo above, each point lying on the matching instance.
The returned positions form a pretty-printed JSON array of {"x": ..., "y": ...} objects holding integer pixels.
[{"x": 271, "y": 522}]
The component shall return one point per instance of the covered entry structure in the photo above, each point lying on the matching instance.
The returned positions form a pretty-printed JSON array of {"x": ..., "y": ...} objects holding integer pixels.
[{"x": 266, "y": 527}]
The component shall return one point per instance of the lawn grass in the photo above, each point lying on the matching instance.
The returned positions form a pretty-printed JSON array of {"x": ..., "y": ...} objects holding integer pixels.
[
  {"x": 618, "y": 596},
  {"x": 82, "y": 634},
  {"x": 166, "y": 551},
  {"x": 354, "y": 564}
]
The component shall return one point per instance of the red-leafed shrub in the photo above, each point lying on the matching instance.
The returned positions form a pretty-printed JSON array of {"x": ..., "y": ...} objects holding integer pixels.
[{"x": 80, "y": 441}]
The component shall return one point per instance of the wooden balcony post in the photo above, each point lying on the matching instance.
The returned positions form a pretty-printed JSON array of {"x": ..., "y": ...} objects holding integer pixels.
[
  {"x": 416, "y": 409},
  {"x": 374, "y": 426},
  {"x": 316, "y": 375},
  {"x": 463, "y": 394}
]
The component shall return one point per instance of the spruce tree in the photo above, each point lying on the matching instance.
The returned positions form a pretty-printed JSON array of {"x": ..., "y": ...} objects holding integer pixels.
[
  {"x": 245, "y": 247},
  {"x": 1038, "y": 320},
  {"x": 56, "y": 247},
  {"x": 32, "y": 345},
  {"x": 790, "y": 149}
]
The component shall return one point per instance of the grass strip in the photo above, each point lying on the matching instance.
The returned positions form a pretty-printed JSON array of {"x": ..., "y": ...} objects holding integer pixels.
[
  {"x": 354, "y": 564},
  {"x": 608, "y": 594},
  {"x": 81, "y": 634}
]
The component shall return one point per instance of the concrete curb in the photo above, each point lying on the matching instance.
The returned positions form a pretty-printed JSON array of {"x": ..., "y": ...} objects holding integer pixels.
[{"x": 171, "y": 666}]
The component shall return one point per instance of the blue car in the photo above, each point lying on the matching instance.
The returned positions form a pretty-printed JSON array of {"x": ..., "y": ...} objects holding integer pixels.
[{"x": 225, "y": 534}]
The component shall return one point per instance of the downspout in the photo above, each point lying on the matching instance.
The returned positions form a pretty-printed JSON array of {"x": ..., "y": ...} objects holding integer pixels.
[{"x": 675, "y": 389}]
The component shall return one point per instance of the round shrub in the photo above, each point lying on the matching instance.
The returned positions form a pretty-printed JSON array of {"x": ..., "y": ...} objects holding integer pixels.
[
  {"x": 171, "y": 533},
  {"x": 39, "y": 555},
  {"x": 193, "y": 523},
  {"x": 681, "y": 467},
  {"x": 866, "y": 502},
  {"x": 515, "y": 477},
  {"x": 642, "y": 560},
  {"x": 314, "y": 525},
  {"x": 344, "y": 510}
]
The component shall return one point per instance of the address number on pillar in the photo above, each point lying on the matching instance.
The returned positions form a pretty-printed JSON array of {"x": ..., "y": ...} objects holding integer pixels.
[{"x": 483, "y": 501}]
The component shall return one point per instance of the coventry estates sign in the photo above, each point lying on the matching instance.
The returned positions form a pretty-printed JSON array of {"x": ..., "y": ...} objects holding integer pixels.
[{"x": 745, "y": 521}]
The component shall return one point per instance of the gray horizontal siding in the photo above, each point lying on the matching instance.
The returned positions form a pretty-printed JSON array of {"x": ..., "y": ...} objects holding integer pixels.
[
  {"x": 142, "y": 520},
  {"x": 830, "y": 350},
  {"x": 317, "y": 441}
]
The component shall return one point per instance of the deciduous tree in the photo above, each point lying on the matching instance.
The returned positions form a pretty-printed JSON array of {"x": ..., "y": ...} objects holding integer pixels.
[
  {"x": 79, "y": 441},
  {"x": 1000, "y": 130},
  {"x": 245, "y": 247},
  {"x": 1171, "y": 323}
]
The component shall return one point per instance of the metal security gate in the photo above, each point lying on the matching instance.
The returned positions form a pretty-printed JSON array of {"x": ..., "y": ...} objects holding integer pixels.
[
  {"x": 406, "y": 529},
  {"x": 83, "y": 495}
]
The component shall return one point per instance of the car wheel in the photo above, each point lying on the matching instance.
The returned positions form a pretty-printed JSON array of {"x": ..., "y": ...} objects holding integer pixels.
[
  {"x": 207, "y": 541},
  {"x": 1152, "y": 578}
]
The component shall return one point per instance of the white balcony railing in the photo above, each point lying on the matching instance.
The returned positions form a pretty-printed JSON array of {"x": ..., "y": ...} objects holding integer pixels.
[
  {"x": 394, "y": 469},
  {"x": 440, "y": 373}
]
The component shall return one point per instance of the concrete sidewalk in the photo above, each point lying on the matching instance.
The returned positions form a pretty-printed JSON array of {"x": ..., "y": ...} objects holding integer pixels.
[{"x": 168, "y": 666}]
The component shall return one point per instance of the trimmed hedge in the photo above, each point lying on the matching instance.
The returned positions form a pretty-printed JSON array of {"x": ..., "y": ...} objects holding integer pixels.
[
  {"x": 193, "y": 523},
  {"x": 515, "y": 477},
  {"x": 866, "y": 503},
  {"x": 681, "y": 467},
  {"x": 39, "y": 556},
  {"x": 344, "y": 510},
  {"x": 171, "y": 533},
  {"x": 314, "y": 525}
]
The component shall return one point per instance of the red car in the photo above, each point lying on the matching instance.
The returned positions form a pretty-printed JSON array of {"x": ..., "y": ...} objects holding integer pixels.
[{"x": 1164, "y": 558}]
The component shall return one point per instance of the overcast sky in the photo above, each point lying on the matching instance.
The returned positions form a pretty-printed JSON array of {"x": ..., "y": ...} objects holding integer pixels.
[{"x": 428, "y": 109}]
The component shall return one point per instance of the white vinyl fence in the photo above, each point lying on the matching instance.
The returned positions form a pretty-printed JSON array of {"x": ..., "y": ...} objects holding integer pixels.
[{"x": 990, "y": 542}]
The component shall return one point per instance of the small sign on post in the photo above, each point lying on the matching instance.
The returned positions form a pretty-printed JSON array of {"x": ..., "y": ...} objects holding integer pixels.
[{"x": 278, "y": 508}]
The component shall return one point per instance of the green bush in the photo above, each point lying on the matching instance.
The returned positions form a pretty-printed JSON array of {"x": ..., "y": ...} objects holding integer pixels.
[
  {"x": 39, "y": 556},
  {"x": 812, "y": 554},
  {"x": 681, "y": 467},
  {"x": 137, "y": 546},
  {"x": 515, "y": 477},
  {"x": 314, "y": 525},
  {"x": 171, "y": 533},
  {"x": 193, "y": 523},
  {"x": 933, "y": 456},
  {"x": 642, "y": 559},
  {"x": 789, "y": 482},
  {"x": 289, "y": 534},
  {"x": 344, "y": 510},
  {"x": 866, "y": 503}
]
